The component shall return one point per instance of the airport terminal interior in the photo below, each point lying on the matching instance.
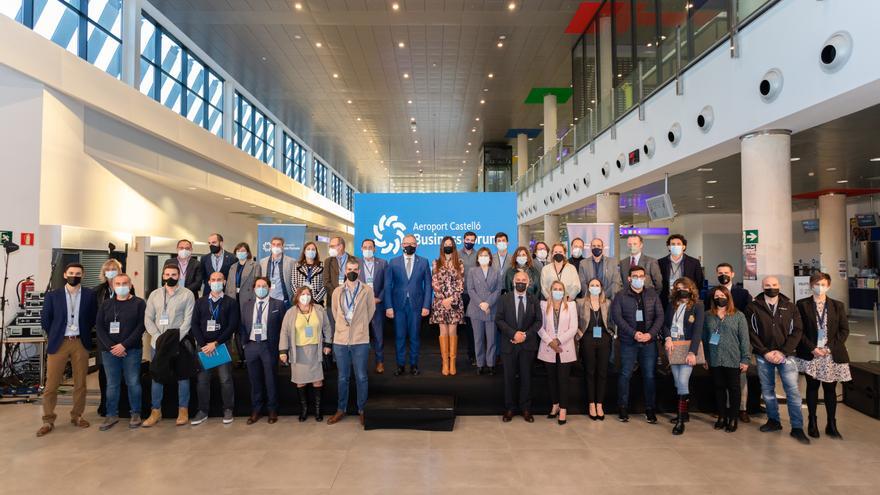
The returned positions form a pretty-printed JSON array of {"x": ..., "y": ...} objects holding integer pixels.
[{"x": 188, "y": 185}]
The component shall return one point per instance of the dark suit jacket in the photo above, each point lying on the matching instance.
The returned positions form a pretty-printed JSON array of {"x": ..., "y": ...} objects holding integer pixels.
[
  {"x": 741, "y": 298},
  {"x": 417, "y": 287},
  {"x": 693, "y": 325},
  {"x": 690, "y": 268},
  {"x": 273, "y": 322},
  {"x": 228, "y": 319},
  {"x": 194, "y": 275},
  {"x": 379, "y": 267},
  {"x": 54, "y": 317},
  {"x": 505, "y": 319},
  {"x": 208, "y": 269},
  {"x": 837, "y": 327},
  {"x": 331, "y": 275}
]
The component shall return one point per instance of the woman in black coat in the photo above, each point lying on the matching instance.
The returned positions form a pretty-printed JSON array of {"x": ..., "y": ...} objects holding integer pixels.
[{"x": 821, "y": 353}]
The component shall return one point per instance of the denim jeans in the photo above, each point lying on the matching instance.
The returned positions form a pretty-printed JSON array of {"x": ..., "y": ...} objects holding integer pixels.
[
  {"x": 348, "y": 357},
  {"x": 681, "y": 373},
  {"x": 157, "y": 390},
  {"x": 646, "y": 354},
  {"x": 227, "y": 392},
  {"x": 788, "y": 373},
  {"x": 116, "y": 368}
]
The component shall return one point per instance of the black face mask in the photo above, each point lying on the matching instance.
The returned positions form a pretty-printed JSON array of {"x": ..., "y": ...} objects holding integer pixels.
[
  {"x": 723, "y": 279},
  {"x": 170, "y": 282},
  {"x": 74, "y": 281},
  {"x": 771, "y": 292},
  {"x": 596, "y": 252},
  {"x": 410, "y": 250},
  {"x": 468, "y": 245},
  {"x": 559, "y": 257},
  {"x": 720, "y": 302},
  {"x": 351, "y": 276},
  {"x": 448, "y": 249},
  {"x": 215, "y": 248},
  {"x": 520, "y": 286},
  {"x": 682, "y": 294}
]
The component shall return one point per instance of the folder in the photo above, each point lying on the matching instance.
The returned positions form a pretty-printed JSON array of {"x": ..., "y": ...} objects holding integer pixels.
[{"x": 220, "y": 357}]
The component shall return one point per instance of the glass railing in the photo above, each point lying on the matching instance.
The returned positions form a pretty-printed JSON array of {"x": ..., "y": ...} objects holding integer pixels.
[{"x": 659, "y": 53}]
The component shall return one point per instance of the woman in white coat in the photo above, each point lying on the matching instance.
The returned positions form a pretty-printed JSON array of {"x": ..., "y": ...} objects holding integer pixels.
[{"x": 557, "y": 346}]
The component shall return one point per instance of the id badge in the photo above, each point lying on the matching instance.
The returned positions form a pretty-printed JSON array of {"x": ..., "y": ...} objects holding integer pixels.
[
  {"x": 163, "y": 320},
  {"x": 597, "y": 332},
  {"x": 212, "y": 326},
  {"x": 676, "y": 332},
  {"x": 715, "y": 338},
  {"x": 640, "y": 316},
  {"x": 114, "y": 327},
  {"x": 73, "y": 328},
  {"x": 258, "y": 329},
  {"x": 237, "y": 290},
  {"x": 349, "y": 315},
  {"x": 310, "y": 332},
  {"x": 370, "y": 283}
]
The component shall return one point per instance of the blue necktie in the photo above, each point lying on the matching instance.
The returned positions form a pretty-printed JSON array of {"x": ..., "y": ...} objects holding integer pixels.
[{"x": 260, "y": 320}]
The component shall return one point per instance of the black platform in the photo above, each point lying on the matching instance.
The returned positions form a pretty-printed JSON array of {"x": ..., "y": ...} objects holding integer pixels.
[{"x": 414, "y": 412}]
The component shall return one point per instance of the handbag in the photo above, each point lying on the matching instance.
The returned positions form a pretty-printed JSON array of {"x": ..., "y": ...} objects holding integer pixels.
[{"x": 680, "y": 349}]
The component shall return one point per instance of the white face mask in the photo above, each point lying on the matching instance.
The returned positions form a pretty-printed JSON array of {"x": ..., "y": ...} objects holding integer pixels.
[
  {"x": 541, "y": 254},
  {"x": 577, "y": 252},
  {"x": 277, "y": 250},
  {"x": 595, "y": 291},
  {"x": 110, "y": 274},
  {"x": 368, "y": 253},
  {"x": 522, "y": 260},
  {"x": 333, "y": 252},
  {"x": 310, "y": 254},
  {"x": 483, "y": 260},
  {"x": 183, "y": 253},
  {"x": 501, "y": 245},
  {"x": 820, "y": 289},
  {"x": 304, "y": 299}
]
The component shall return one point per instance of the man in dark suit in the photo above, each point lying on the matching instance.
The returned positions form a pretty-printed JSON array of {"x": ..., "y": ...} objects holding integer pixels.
[
  {"x": 334, "y": 270},
  {"x": 260, "y": 332},
  {"x": 218, "y": 261},
  {"x": 372, "y": 273},
  {"x": 677, "y": 264},
  {"x": 408, "y": 294},
  {"x": 726, "y": 275},
  {"x": 191, "y": 273},
  {"x": 635, "y": 244},
  {"x": 518, "y": 317},
  {"x": 68, "y": 317}
]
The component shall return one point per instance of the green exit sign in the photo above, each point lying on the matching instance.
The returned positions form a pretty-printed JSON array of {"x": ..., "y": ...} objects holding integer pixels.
[
  {"x": 750, "y": 236},
  {"x": 5, "y": 236}
]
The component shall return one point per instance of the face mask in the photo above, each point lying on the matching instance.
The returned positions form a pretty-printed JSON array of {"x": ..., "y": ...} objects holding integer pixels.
[
  {"x": 241, "y": 255},
  {"x": 595, "y": 291},
  {"x": 216, "y": 286},
  {"x": 522, "y": 260},
  {"x": 637, "y": 283},
  {"x": 520, "y": 286},
  {"x": 483, "y": 260},
  {"x": 559, "y": 257},
  {"x": 596, "y": 252},
  {"x": 122, "y": 291},
  {"x": 771, "y": 292},
  {"x": 261, "y": 292},
  {"x": 448, "y": 249},
  {"x": 468, "y": 245},
  {"x": 723, "y": 279},
  {"x": 368, "y": 253},
  {"x": 170, "y": 282},
  {"x": 310, "y": 254},
  {"x": 410, "y": 250},
  {"x": 333, "y": 252},
  {"x": 351, "y": 276},
  {"x": 214, "y": 249},
  {"x": 820, "y": 289},
  {"x": 676, "y": 250},
  {"x": 541, "y": 254},
  {"x": 683, "y": 294},
  {"x": 183, "y": 253},
  {"x": 557, "y": 295},
  {"x": 74, "y": 281},
  {"x": 110, "y": 274},
  {"x": 634, "y": 250},
  {"x": 720, "y": 302},
  {"x": 305, "y": 299},
  {"x": 577, "y": 252},
  {"x": 501, "y": 245},
  {"x": 276, "y": 250}
]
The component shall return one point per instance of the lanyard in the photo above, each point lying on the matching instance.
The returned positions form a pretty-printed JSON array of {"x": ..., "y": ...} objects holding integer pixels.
[
  {"x": 165, "y": 300},
  {"x": 349, "y": 301},
  {"x": 559, "y": 272},
  {"x": 72, "y": 303},
  {"x": 309, "y": 274},
  {"x": 369, "y": 268},
  {"x": 272, "y": 263},
  {"x": 215, "y": 310},
  {"x": 308, "y": 316},
  {"x": 823, "y": 316}
]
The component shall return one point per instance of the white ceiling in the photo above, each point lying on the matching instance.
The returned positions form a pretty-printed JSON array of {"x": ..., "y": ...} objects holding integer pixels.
[{"x": 449, "y": 49}]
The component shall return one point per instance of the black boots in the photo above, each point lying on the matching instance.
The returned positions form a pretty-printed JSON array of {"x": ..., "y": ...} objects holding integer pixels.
[
  {"x": 732, "y": 423},
  {"x": 303, "y": 403},
  {"x": 831, "y": 429},
  {"x": 812, "y": 426},
  {"x": 722, "y": 422},
  {"x": 682, "y": 417},
  {"x": 318, "y": 416}
]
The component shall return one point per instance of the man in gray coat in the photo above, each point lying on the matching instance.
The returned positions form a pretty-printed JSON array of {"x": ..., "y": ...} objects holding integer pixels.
[
  {"x": 604, "y": 268},
  {"x": 278, "y": 268},
  {"x": 653, "y": 277}
]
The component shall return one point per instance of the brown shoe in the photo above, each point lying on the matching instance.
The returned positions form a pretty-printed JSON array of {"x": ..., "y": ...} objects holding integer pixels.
[
  {"x": 273, "y": 417},
  {"x": 528, "y": 417},
  {"x": 155, "y": 417},
  {"x": 45, "y": 429},
  {"x": 744, "y": 417},
  {"x": 182, "y": 416},
  {"x": 507, "y": 417},
  {"x": 380, "y": 368},
  {"x": 362, "y": 418},
  {"x": 255, "y": 416},
  {"x": 80, "y": 422},
  {"x": 336, "y": 418}
]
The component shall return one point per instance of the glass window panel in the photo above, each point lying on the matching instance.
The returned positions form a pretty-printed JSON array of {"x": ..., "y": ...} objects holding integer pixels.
[
  {"x": 606, "y": 70},
  {"x": 259, "y": 146},
  {"x": 58, "y": 23},
  {"x": 148, "y": 39},
  {"x": 171, "y": 93},
  {"x": 673, "y": 15},
  {"x": 625, "y": 96},
  {"x": 709, "y": 23},
  {"x": 590, "y": 80},
  {"x": 577, "y": 79},
  {"x": 746, "y": 8},
  {"x": 195, "y": 76},
  {"x": 104, "y": 51},
  {"x": 270, "y": 156},
  {"x": 647, "y": 39},
  {"x": 108, "y": 14},
  {"x": 12, "y": 9},
  {"x": 258, "y": 124},
  {"x": 195, "y": 108},
  {"x": 215, "y": 90},
  {"x": 247, "y": 142},
  {"x": 235, "y": 105},
  {"x": 172, "y": 57},
  {"x": 246, "y": 115},
  {"x": 215, "y": 121},
  {"x": 148, "y": 79},
  {"x": 270, "y": 132}
]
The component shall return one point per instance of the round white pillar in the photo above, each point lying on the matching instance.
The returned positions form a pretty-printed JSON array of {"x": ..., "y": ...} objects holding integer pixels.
[
  {"x": 832, "y": 244},
  {"x": 766, "y": 205},
  {"x": 549, "y": 122},
  {"x": 524, "y": 235},
  {"x": 522, "y": 154},
  {"x": 551, "y": 229},
  {"x": 608, "y": 211}
]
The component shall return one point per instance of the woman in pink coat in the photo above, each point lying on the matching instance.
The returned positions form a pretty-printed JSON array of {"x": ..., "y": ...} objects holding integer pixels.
[{"x": 557, "y": 346}]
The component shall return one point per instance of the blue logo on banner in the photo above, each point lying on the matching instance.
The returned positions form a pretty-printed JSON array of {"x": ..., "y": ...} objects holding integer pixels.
[
  {"x": 294, "y": 237},
  {"x": 387, "y": 218}
]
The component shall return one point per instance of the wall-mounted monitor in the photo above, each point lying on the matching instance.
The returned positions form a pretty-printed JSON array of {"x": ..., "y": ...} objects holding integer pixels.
[
  {"x": 660, "y": 207},
  {"x": 811, "y": 225}
]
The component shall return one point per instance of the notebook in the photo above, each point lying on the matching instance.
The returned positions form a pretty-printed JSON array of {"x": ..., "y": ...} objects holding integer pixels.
[{"x": 220, "y": 357}]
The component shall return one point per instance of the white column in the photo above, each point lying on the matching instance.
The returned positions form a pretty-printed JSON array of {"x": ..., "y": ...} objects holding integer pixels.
[
  {"x": 766, "y": 205},
  {"x": 551, "y": 229},
  {"x": 608, "y": 211},
  {"x": 522, "y": 154},
  {"x": 832, "y": 244},
  {"x": 524, "y": 234},
  {"x": 310, "y": 170},
  {"x": 228, "y": 111},
  {"x": 131, "y": 30},
  {"x": 549, "y": 122}
]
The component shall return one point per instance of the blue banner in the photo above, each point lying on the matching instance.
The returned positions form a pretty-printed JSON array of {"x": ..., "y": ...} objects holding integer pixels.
[
  {"x": 386, "y": 218},
  {"x": 294, "y": 236}
]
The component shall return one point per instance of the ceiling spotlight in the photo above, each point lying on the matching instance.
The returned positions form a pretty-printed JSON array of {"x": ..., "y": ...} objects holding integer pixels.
[
  {"x": 358, "y": 119},
  {"x": 811, "y": 174},
  {"x": 710, "y": 197},
  {"x": 349, "y": 102},
  {"x": 485, "y": 90},
  {"x": 228, "y": 199},
  {"x": 831, "y": 169},
  {"x": 192, "y": 188},
  {"x": 482, "y": 102},
  {"x": 318, "y": 44},
  {"x": 409, "y": 102},
  {"x": 464, "y": 161},
  {"x": 477, "y": 119},
  {"x": 460, "y": 170},
  {"x": 297, "y": 37},
  {"x": 469, "y": 143},
  {"x": 474, "y": 129},
  {"x": 844, "y": 181},
  {"x": 395, "y": 6},
  {"x": 365, "y": 130},
  {"x": 335, "y": 76},
  {"x": 704, "y": 169},
  {"x": 511, "y": 6},
  {"x": 417, "y": 152},
  {"x": 401, "y": 44},
  {"x": 500, "y": 44},
  {"x": 414, "y": 129},
  {"x": 298, "y": 6},
  {"x": 371, "y": 141},
  {"x": 418, "y": 161},
  {"x": 711, "y": 206},
  {"x": 491, "y": 75},
  {"x": 406, "y": 75},
  {"x": 416, "y": 141},
  {"x": 467, "y": 151},
  {"x": 711, "y": 182},
  {"x": 541, "y": 124},
  {"x": 795, "y": 159},
  {"x": 875, "y": 159}
]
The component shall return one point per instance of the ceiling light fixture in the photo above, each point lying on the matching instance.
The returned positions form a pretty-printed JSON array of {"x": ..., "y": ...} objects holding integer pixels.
[
  {"x": 704, "y": 169},
  {"x": 491, "y": 75},
  {"x": 419, "y": 161},
  {"x": 485, "y": 90},
  {"x": 192, "y": 188},
  {"x": 474, "y": 129},
  {"x": 811, "y": 174},
  {"x": 318, "y": 44},
  {"x": 477, "y": 119},
  {"x": 710, "y": 197},
  {"x": 711, "y": 206},
  {"x": 228, "y": 199},
  {"x": 831, "y": 169},
  {"x": 401, "y": 44},
  {"x": 511, "y": 6},
  {"x": 795, "y": 159},
  {"x": 482, "y": 102},
  {"x": 297, "y": 37},
  {"x": 348, "y": 101},
  {"x": 358, "y": 119},
  {"x": 500, "y": 44},
  {"x": 416, "y": 141},
  {"x": 875, "y": 159},
  {"x": 469, "y": 143},
  {"x": 406, "y": 75},
  {"x": 711, "y": 182},
  {"x": 335, "y": 76},
  {"x": 843, "y": 181},
  {"x": 298, "y": 6},
  {"x": 395, "y": 6}
]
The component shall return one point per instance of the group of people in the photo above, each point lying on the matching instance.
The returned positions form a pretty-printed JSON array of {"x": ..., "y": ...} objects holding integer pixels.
[{"x": 515, "y": 306}]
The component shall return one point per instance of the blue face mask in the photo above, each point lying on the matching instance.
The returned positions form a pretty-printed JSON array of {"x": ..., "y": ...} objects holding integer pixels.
[
  {"x": 216, "y": 286},
  {"x": 638, "y": 283},
  {"x": 111, "y": 274},
  {"x": 122, "y": 291},
  {"x": 241, "y": 255},
  {"x": 262, "y": 292},
  {"x": 558, "y": 294},
  {"x": 311, "y": 253},
  {"x": 595, "y": 291},
  {"x": 676, "y": 250}
]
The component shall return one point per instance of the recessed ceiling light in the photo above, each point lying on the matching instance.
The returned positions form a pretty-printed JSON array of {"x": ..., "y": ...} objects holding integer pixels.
[
  {"x": 811, "y": 174},
  {"x": 297, "y": 37},
  {"x": 485, "y": 90},
  {"x": 365, "y": 130},
  {"x": 843, "y": 181},
  {"x": 401, "y": 44},
  {"x": 795, "y": 159},
  {"x": 711, "y": 206},
  {"x": 409, "y": 102},
  {"x": 406, "y": 75},
  {"x": 469, "y": 143},
  {"x": 474, "y": 129},
  {"x": 418, "y": 151},
  {"x": 418, "y": 161},
  {"x": 253, "y": 206},
  {"x": 711, "y": 182},
  {"x": 335, "y": 76},
  {"x": 395, "y": 6},
  {"x": 467, "y": 151},
  {"x": 414, "y": 129},
  {"x": 371, "y": 141},
  {"x": 192, "y": 188},
  {"x": 511, "y": 6},
  {"x": 500, "y": 44},
  {"x": 477, "y": 119},
  {"x": 704, "y": 169},
  {"x": 358, "y": 119},
  {"x": 710, "y": 197},
  {"x": 831, "y": 169},
  {"x": 875, "y": 159},
  {"x": 228, "y": 199},
  {"x": 464, "y": 161},
  {"x": 348, "y": 101},
  {"x": 491, "y": 75},
  {"x": 318, "y": 44},
  {"x": 263, "y": 59},
  {"x": 482, "y": 102},
  {"x": 460, "y": 170},
  {"x": 541, "y": 124},
  {"x": 298, "y": 6}
]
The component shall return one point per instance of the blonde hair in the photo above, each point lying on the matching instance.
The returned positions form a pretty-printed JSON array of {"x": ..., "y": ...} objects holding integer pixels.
[
  {"x": 111, "y": 263},
  {"x": 563, "y": 303}
]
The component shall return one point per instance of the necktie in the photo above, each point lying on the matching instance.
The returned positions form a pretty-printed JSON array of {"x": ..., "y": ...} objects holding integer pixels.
[
  {"x": 632, "y": 262},
  {"x": 408, "y": 267},
  {"x": 520, "y": 311},
  {"x": 260, "y": 320}
]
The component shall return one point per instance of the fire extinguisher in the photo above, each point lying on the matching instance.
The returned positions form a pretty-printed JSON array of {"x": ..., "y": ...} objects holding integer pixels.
[{"x": 25, "y": 286}]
